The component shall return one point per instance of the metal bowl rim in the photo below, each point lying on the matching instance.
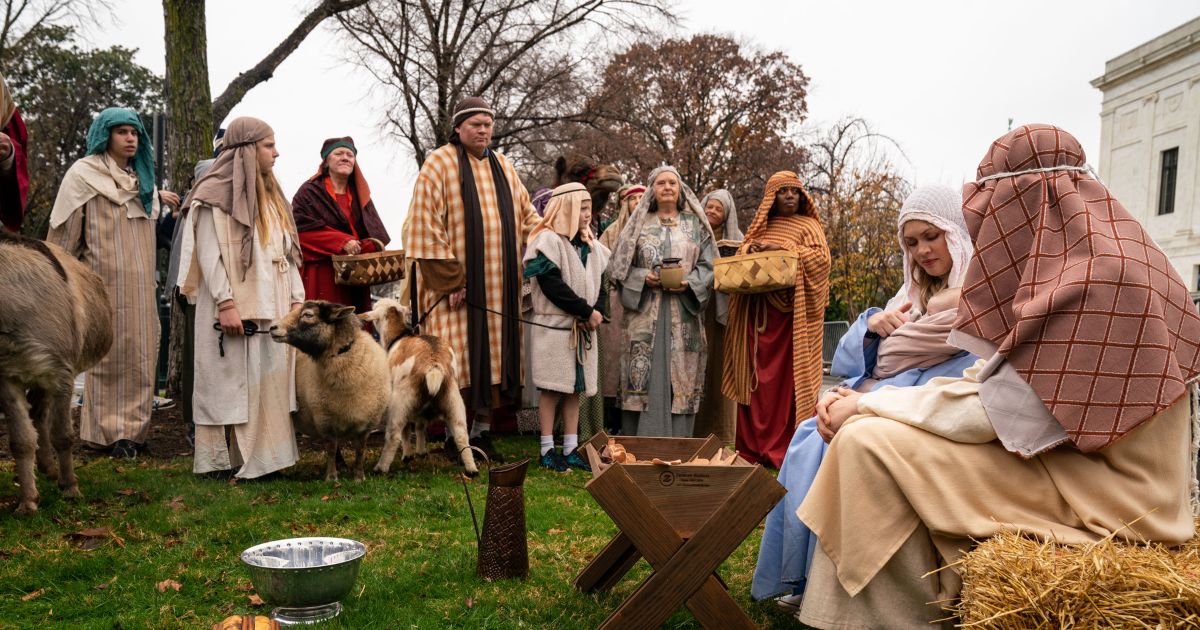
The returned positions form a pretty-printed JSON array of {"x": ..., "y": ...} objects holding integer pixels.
[{"x": 359, "y": 550}]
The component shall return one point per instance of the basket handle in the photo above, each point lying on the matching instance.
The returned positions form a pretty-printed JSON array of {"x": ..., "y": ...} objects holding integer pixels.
[{"x": 378, "y": 243}]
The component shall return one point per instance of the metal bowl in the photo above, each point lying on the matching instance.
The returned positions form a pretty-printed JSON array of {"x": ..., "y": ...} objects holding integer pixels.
[{"x": 304, "y": 577}]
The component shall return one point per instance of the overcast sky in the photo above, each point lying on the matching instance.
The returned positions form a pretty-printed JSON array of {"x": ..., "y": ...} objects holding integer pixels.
[{"x": 941, "y": 78}]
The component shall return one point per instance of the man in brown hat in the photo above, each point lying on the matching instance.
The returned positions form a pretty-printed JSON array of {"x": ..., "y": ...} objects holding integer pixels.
[{"x": 465, "y": 229}]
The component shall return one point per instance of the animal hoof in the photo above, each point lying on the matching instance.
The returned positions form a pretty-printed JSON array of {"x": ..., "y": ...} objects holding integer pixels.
[
  {"x": 27, "y": 507},
  {"x": 72, "y": 492},
  {"x": 360, "y": 476},
  {"x": 472, "y": 473},
  {"x": 332, "y": 477},
  {"x": 380, "y": 469},
  {"x": 407, "y": 458}
]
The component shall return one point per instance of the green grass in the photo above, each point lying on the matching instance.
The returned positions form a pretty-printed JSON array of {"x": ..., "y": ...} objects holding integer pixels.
[{"x": 168, "y": 524}]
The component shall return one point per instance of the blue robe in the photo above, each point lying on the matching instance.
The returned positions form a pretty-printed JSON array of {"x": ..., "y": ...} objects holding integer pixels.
[{"x": 787, "y": 544}]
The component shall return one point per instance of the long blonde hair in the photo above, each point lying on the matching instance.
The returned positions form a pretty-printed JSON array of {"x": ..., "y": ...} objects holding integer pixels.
[
  {"x": 272, "y": 207},
  {"x": 927, "y": 285}
]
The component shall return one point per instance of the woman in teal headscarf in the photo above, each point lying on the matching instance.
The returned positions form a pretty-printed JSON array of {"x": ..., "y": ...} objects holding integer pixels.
[{"x": 105, "y": 215}]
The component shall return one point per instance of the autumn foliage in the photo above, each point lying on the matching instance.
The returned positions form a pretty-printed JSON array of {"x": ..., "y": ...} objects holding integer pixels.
[{"x": 724, "y": 115}]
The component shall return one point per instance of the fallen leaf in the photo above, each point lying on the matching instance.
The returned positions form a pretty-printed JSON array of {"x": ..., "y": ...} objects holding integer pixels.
[
  {"x": 119, "y": 470},
  {"x": 177, "y": 504},
  {"x": 126, "y": 492},
  {"x": 104, "y": 586},
  {"x": 326, "y": 498},
  {"x": 34, "y": 595},
  {"x": 555, "y": 532},
  {"x": 166, "y": 584},
  {"x": 469, "y": 602},
  {"x": 245, "y": 587},
  {"x": 255, "y": 600},
  {"x": 94, "y": 536}
]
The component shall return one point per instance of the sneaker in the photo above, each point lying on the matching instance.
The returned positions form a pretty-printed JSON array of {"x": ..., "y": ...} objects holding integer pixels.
[
  {"x": 484, "y": 442},
  {"x": 790, "y": 603},
  {"x": 124, "y": 448},
  {"x": 163, "y": 403},
  {"x": 554, "y": 461},
  {"x": 575, "y": 461}
]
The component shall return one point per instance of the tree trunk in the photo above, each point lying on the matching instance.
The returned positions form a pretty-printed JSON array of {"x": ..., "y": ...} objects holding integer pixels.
[{"x": 189, "y": 126}]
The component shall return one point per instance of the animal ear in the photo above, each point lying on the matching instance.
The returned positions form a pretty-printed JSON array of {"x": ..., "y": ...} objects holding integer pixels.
[
  {"x": 366, "y": 317},
  {"x": 560, "y": 166},
  {"x": 343, "y": 312}
]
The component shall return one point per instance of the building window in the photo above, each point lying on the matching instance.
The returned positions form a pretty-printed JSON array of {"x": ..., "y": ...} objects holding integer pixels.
[
  {"x": 1197, "y": 287},
  {"x": 1166, "y": 181}
]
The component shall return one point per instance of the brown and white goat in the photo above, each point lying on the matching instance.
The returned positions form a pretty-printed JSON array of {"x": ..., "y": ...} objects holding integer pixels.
[
  {"x": 342, "y": 385},
  {"x": 424, "y": 387},
  {"x": 55, "y": 322}
]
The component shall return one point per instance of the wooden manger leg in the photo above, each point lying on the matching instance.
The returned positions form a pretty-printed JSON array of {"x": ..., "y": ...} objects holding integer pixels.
[
  {"x": 609, "y": 566},
  {"x": 684, "y": 571}
]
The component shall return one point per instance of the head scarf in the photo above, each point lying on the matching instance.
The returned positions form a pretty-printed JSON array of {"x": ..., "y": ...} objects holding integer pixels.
[
  {"x": 941, "y": 207},
  {"x": 782, "y": 179},
  {"x": 613, "y": 232},
  {"x": 143, "y": 160},
  {"x": 622, "y": 258},
  {"x": 357, "y": 179},
  {"x": 229, "y": 185},
  {"x": 730, "y": 231},
  {"x": 1073, "y": 291},
  {"x": 540, "y": 199},
  {"x": 562, "y": 212}
]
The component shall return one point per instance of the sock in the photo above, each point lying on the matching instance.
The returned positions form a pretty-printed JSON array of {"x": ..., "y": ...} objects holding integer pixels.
[
  {"x": 479, "y": 427},
  {"x": 570, "y": 443},
  {"x": 547, "y": 443}
]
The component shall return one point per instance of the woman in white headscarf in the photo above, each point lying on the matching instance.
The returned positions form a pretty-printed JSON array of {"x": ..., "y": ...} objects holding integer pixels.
[
  {"x": 663, "y": 345},
  {"x": 718, "y": 414},
  {"x": 937, "y": 247}
]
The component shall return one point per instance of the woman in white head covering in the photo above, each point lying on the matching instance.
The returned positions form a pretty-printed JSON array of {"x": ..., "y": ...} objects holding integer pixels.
[
  {"x": 718, "y": 414},
  {"x": 663, "y": 345},
  {"x": 937, "y": 247}
]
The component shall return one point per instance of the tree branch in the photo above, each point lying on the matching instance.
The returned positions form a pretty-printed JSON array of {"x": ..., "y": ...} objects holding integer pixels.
[{"x": 265, "y": 69}]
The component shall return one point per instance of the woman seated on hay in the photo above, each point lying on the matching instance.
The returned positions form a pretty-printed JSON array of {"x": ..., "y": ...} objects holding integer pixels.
[
  {"x": 1077, "y": 425},
  {"x": 901, "y": 345}
]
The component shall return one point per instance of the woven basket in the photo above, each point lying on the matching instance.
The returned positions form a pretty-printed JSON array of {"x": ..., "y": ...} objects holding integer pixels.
[
  {"x": 761, "y": 272},
  {"x": 364, "y": 270}
]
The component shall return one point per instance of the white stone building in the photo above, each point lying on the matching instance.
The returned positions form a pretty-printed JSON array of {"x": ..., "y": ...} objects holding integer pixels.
[{"x": 1150, "y": 141}]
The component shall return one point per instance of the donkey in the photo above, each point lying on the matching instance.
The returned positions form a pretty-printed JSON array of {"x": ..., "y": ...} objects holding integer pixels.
[{"x": 55, "y": 322}]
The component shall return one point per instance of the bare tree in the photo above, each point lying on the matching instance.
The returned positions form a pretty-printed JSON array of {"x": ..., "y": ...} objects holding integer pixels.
[
  {"x": 858, "y": 192},
  {"x": 527, "y": 57},
  {"x": 22, "y": 19},
  {"x": 192, "y": 116}
]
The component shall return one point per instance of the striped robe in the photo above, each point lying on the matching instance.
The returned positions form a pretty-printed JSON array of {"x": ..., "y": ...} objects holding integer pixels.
[
  {"x": 806, "y": 303},
  {"x": 435, "y": 229},
  {"x": 119, "y": 391}
]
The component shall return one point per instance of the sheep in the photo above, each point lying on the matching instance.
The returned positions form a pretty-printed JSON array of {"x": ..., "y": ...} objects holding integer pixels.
[
  {"x": 342, "y": 385},
  {"x": 424, "y": 387},
  {"x": 55, "y": 322}
]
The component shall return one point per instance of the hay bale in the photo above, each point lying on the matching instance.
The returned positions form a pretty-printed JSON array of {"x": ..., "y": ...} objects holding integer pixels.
[{"x": 1010, "y": 581}]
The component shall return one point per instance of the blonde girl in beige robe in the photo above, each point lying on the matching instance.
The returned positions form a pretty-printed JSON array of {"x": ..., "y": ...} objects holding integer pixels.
[
  {"x": 244, "y": 261},
  {"x": 105, "y": 215}
]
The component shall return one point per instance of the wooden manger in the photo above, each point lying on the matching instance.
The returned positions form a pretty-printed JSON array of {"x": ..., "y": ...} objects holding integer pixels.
[{"x": 684, "y": 519}]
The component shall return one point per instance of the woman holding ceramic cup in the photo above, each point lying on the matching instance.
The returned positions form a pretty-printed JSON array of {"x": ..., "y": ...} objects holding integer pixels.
[{"x": 663, "y": 268}]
